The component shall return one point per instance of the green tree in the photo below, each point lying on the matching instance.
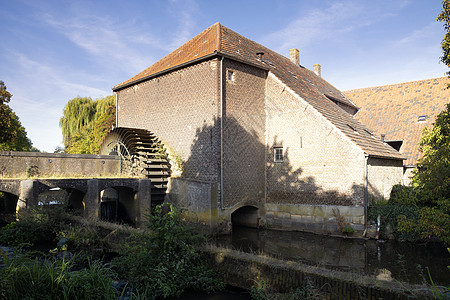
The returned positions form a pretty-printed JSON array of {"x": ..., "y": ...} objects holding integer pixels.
[
  {"x": 444, "y": 16},
  {"x": 432, "y": 180},
  {"x": 85, "y": 122},
  {"x": 13, "y": 136}
]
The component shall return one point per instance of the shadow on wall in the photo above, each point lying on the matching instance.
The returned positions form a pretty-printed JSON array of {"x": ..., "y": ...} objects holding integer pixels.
[
  {"x": 287, "y": 185},
  {"x": 245, "y": 161}
]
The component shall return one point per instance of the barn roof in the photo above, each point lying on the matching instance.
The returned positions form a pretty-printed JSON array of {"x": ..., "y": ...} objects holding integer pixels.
[
  {"x": 401, "y": 111},
  {"x": 219, "y": 40}
]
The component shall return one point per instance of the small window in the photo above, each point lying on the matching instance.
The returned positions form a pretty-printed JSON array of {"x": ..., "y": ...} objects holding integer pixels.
[
  {"x": 278, "y": 154},
  {"x": 421, "y": 118},
  {"x": 230, "y": 76}
]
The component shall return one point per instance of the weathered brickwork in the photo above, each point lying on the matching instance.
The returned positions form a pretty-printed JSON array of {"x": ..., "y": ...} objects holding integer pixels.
[
  {"x": 181, "y": 108},
  {"x": 382, "y": 174},
  {"x": 243, "y": 134},
  {"x": 321, "y": 166}
]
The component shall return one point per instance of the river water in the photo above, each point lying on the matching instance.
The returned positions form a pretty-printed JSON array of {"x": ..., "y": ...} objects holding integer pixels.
[{"x": 390, "y": 260}]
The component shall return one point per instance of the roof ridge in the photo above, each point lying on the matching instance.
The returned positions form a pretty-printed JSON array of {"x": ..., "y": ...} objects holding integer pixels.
[{"x": 395, "y": 84}]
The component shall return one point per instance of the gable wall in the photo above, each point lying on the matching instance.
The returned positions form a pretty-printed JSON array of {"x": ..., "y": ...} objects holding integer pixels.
[
  {"x": 321, "y": 166},
  {"x": 181, "y": 108},
  {"x": 382, "y": 175},
  {"x": 243, "y": 134}
]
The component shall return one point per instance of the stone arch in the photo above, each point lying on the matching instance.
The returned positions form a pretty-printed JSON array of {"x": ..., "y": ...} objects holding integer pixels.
[
  {"x": 247, "y": 215},
  {"x": 8, "y": 202},
  {"x": 119, "y": 204},
  {"x": 59, "y": 191}
]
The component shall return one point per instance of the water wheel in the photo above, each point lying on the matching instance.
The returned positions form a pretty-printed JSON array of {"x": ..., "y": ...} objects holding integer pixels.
[{"x": 141, "y": 154}]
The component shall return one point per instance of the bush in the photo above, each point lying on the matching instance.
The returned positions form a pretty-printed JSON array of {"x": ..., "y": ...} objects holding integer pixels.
[
  {"x": 389, "y": 213},
  {"x": 405, "y": 195},
  {"x": 41, "y": 223},
  {"x": 430, "y": 224},
  {"x": 166, "y": 263}
]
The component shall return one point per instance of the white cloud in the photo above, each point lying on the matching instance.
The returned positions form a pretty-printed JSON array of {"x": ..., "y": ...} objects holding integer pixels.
[
  {"x": 315, "y": 26},
  {"x": 183, "y": 12},
  {"x": 109, "y": 43}
]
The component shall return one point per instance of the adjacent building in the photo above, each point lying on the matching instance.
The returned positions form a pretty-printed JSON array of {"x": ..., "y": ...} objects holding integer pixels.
[{"x": 399, "y": 112}]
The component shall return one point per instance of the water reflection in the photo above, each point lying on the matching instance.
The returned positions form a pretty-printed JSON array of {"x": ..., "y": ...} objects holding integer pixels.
[{"x": 386, "y": 260}]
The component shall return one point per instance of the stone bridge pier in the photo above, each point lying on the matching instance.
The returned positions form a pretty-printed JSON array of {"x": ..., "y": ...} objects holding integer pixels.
[{"x": 133, "y": 195}]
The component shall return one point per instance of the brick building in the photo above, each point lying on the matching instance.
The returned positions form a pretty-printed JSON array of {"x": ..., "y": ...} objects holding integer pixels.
[
  {"x": 261, "y": 138},
  {"x": 400, "y": 112}
]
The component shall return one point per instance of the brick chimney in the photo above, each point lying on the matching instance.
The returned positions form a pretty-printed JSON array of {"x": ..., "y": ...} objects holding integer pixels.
[
  {"x": 318, "y": 70},
  {"x": 295, "y": 56}
]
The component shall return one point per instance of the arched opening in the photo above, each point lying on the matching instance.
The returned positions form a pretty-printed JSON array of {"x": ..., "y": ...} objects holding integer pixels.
[
  {"x": 247, "y": 216},
  {"x": 118, "y": 205},
  {"x": 54, "y": 196},
  {"x": 75, "y": 202},
  {"x": 8, "y": 203}
]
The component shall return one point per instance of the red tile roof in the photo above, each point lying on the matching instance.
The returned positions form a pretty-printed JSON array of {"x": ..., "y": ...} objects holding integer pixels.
[
  {"x": 220, "y": 40},
  {"x": 394, "y": 109}
]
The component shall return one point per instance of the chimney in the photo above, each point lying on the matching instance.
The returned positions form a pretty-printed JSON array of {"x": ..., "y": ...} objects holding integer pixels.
[
  {"x": 260, "y": 55},
  {"x": 382, "y": 137},
  {"x": 318, "y": 70},
  {"x": 295, "y": 56}
]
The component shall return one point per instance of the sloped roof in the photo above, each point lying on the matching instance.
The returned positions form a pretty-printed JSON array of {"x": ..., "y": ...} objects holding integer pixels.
[
  {"x": 394, "y": 110},
  {"x": 219, "y": 40}
]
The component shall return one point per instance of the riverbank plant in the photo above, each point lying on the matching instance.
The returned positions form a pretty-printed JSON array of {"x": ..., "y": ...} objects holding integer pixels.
[
  {"x": 38, "y": 224},
  {"x": 165, "y": 262},
  {"x": 23, "y": 277}
]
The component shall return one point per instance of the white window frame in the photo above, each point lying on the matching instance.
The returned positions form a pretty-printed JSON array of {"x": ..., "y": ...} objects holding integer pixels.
[{"x": 278, "y": 154}]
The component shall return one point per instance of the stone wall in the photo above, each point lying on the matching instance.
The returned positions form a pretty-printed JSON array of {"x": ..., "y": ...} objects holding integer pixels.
[
  {"x": 321, "y": 165},
  {"x": 314, "y": 218},
  {"x": 246, "y": 271},
  {"x": 199, "y": 200},
  {"x": 35, "y": 164}
]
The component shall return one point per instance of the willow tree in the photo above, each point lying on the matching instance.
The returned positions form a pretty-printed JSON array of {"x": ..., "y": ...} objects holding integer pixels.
[{"x": 80, "y": 118}]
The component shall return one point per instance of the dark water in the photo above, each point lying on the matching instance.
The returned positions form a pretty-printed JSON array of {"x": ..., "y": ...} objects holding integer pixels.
[{"x": 406, "y": 262}]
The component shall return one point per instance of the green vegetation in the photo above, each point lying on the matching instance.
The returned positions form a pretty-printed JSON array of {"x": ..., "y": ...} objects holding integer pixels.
[
  {"x": 422, "y": 211},
  {"x": 444, "y": 16},
  {"x": 160, "y": 262},
  {"x": 86, "y": 122},
  {"x": 24, "y": 277},
  {"x": 165, "y": 263},
  {"x": 13, "y": 136}
]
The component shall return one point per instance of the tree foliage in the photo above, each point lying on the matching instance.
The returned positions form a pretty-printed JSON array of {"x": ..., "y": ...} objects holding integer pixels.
[
  {"x": 444, "y": 16},
  {"x": 13, "y": 136},
  {"x": 432, "y": 180},
  {"x": 85, "y": 122}
]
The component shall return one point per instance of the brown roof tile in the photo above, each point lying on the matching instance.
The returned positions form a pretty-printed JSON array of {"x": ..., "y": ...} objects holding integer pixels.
[
  {"x": 394, "y": 109},
  {"x": 218, "y": 39}
]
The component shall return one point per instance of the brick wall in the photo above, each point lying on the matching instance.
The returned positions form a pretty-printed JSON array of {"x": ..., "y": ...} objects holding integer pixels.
[
  {"x": 382, "y": 175},
  {"x": 321, "y": 166},
  {"x": 243, "y": 134},
  {"x": 181, "y": 108}
]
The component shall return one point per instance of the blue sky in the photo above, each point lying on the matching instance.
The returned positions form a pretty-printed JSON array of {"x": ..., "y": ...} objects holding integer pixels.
[{"x": 53, "y": 51}]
